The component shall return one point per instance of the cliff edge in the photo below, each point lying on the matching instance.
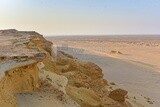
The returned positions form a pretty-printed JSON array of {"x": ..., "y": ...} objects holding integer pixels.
[{"x": 31, "y": 75}]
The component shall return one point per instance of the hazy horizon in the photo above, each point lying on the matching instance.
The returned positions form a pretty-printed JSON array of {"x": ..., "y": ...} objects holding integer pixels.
[
  {"x": 98, "y": 35},
  {"x": 82, "y": 17}
]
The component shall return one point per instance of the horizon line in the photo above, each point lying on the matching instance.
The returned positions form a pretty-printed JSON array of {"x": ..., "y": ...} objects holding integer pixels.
[{"x": 102, "y": 35}]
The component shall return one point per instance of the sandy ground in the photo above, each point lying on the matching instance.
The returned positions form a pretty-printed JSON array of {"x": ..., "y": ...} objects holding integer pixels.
[
  {"x": 136, "y": 69},
  {"x": 139, "y": 50}
]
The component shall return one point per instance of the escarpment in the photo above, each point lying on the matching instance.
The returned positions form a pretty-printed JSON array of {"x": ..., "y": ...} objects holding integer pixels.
[
  {"x": 27, "y": 66},
  {"x": 18, "y": 65}
]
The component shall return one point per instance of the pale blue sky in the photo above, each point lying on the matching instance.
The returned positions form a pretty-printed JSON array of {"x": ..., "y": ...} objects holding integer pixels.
[{"x": 82, "y": 16}]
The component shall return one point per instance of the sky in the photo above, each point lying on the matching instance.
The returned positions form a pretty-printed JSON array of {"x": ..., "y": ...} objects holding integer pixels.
[{"x": 81, "y": 17}]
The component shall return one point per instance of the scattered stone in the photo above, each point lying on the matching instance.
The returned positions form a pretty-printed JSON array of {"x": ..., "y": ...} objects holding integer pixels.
[
  {"x": 127, "y": 97},
  {"x": 150, "y": 102},
  {"x": 112, "y": 83}
]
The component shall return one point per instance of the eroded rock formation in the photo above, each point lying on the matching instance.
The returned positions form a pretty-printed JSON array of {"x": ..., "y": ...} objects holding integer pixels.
[{"x": 26, "y": 65}]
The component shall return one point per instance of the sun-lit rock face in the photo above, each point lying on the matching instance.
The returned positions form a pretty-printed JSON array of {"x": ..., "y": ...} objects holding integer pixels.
[
  {"x": 86, "y": 84},
  {"x": 18, "y": 80},
  {"x": 18, "y": 63},
  {"x": 26, "y": 65}
]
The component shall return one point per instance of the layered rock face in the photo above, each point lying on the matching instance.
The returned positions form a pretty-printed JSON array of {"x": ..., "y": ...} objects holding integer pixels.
[
  {"x": 17, "y": 80},
  {"x": 27, "y": 65},
  {"x": 18, "y": 64}
]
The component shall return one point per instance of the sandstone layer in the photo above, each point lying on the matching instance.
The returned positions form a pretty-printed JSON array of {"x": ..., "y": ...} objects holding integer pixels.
[{"x": 30, "y": 69}]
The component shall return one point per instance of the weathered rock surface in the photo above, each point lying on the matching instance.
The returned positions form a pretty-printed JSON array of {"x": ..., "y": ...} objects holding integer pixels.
[
  {"x": 26, "y": 65},
  {"x": 118, "y": 95}
]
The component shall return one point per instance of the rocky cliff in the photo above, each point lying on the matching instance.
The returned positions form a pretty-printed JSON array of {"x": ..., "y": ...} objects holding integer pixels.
[{"x": 30, "y": 70}]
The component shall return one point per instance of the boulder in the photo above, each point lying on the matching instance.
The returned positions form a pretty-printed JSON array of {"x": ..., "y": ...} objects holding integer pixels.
[{"x": 118, "y": 95}]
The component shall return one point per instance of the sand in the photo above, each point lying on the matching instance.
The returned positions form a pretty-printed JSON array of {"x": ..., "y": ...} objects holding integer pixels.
[{"x": 140, "y": 50}]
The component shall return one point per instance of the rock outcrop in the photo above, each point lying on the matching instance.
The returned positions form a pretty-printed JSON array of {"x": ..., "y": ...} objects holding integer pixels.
[
  {"x": 115, "y": 52},
  {"x": 118, "y": 95},
  {"x": 27, "y": 65}
]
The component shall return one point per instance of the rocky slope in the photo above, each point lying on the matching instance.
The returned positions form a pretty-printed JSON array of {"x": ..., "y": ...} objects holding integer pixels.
[{"x": 32, "y": 74}]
